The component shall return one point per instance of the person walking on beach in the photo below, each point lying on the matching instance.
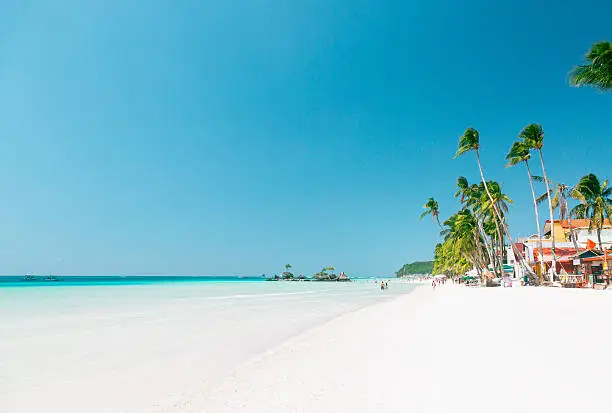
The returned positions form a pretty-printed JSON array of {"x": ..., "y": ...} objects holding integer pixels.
[
  {"x": 433, "y": 284},
  {"x": 382, "y": 285}
]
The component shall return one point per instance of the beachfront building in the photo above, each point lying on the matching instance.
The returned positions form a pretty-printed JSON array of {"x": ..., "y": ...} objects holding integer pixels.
[
  {"x": 578, "y": 229},
  {"x": 587, "y": 260}
]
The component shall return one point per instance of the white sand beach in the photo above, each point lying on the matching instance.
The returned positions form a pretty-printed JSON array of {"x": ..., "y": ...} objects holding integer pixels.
[{"x": 451, "y": 350}]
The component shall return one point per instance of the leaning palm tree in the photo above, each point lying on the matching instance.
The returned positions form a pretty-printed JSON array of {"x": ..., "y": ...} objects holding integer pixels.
[
  {"x": 470, "y": 197},
  {"x": 559, "y": 200},
  {"x": 470, "y": 141},
  {"x": 595, "y": 203},
  {"x": 533, "y": 137},
  {"x": 485, "y": 208},
  {"x": 431, "y": 208},
  {"x": 597, "y": 72},
  {"x": 519, "y": 152}
]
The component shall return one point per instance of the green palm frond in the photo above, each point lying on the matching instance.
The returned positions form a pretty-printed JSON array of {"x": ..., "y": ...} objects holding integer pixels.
[
  {"x": 594, "y": 204},
  {"x": 555, "y": 200},
  {"x": 597, "y": 72},
  {"x": 538, "y": 178},
  {"x": 579, "y": 211},
  {"x": 469, "y": 141},
  {"x": 533, "y": 136},
  {"x": 431, "y": 208},
  {"x": 519, "y": 152},
  {"x": 543, "y": 197}
]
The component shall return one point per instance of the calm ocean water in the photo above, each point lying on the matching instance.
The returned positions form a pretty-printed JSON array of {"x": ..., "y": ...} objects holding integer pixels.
[
  {"x": 115, "y": 280},
  {"x": 75, "y": 280},
  {"x": 106, "y": 335}
]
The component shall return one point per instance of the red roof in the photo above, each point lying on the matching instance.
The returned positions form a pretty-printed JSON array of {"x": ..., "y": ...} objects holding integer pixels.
[{"x": 563, "y": 254}]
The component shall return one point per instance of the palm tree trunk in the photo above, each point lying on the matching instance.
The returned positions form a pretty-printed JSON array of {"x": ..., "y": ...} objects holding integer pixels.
[
  {"x": 552, "y": 219},
  {"x": 487, "y": 246},
  {"x": 599, "y": 239},
  {"x": 517, "y": 253},
  {"x": 537, "y": 217},
  {"x": 499, "y": 262},
  {"x": 569, "y": 222},
  {"x": 438, "y": 220}
]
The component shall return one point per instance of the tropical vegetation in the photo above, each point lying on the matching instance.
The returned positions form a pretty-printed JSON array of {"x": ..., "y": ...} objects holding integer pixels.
[
  {"x": 416, "y": 267},
  {"x": 597, "y": 70},
  {"x": 595, "y": 203},
  {"x": 475, "y": 236}
]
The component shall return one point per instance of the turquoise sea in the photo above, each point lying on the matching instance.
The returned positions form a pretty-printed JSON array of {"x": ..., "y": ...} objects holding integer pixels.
[
  {"x": 75, "y": 280},
  {"x": 87, "y": 343}
]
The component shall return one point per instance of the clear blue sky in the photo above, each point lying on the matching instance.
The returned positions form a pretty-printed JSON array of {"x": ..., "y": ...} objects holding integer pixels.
[{"x": 232, "y": 137}]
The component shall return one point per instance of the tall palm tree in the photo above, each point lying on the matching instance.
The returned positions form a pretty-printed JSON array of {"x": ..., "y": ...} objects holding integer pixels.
[
  {"x": 533, "y": 137},
  {"x": 470, "y": 141},
  {"x": 519, "y": 152},
  {"x": 431, "y": 208},
  {"x": 486, "y": 208},
  {"x": 559, "y": 196},
  {"x": 595, "y": 203},
  {"x": 470, "y": 197},
  {"x": 597, "y": 72}
]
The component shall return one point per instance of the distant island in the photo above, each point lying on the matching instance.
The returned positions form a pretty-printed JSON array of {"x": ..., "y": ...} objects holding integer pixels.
[
  {"x": 326, "y": 274},
  {"x": 417, "y": 267}
]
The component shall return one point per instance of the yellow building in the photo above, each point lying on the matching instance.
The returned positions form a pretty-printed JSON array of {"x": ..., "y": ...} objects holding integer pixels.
[{"x": 580, "y": 230}]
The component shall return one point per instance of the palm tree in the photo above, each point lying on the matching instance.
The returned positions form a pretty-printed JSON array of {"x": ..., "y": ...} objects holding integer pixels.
[
  {"x": 597, "y": 72},
  {"x": 287, "y": 274},
  {"x": 559, "y": 200},
  {"x": 462, "y": 239},
  {"x": 519, "y": 152},
  {"x": 431, "y": 208},
  {"x": 533, "y": 137},
  {"x": 463, "y": 189},
  {"x": 470, "y": 196},
  {"x": 595, "y": 202},
  {"x": 486, "y": 207},
  {"x": 470, "y": 141}
]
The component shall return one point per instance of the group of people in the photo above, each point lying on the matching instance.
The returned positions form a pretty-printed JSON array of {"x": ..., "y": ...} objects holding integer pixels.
[
  {"x": 436, "y": 282},
  {"x": 384, "y": 285}
]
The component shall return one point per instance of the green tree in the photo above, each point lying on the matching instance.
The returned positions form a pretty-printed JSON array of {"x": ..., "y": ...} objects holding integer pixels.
[
  {"x": 595, "y": 202},
  {"x": 417, "y": 267},
  {"x": 597, "y": 70},
  {"x": 559, "y": 195},
  {"x": 470, "y": 142},
  {"x": 287, "y": 275},
  {"x": 470, "y": 197},
  {"x": 431, "y": 208},
  {"x": 519, "y": 153},
  {"x": 533, "y": 137},
  {"x": 462, "y": 239},
  {"x": 500, "y": 202}
]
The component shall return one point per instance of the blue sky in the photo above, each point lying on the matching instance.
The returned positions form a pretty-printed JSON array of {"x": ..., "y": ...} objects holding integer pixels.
[{"x": 193, "y": 137}]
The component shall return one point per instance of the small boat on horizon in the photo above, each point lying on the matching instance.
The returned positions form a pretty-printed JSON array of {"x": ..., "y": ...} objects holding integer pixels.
[{"x": 29, "y": 277}]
